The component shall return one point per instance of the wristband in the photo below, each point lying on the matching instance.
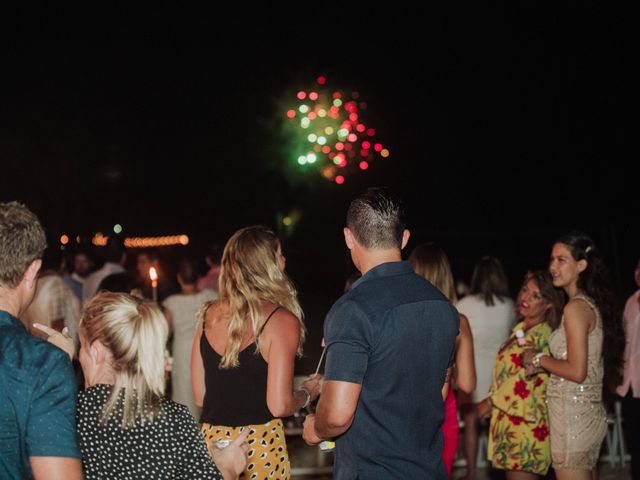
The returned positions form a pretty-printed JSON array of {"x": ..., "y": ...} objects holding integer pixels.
[
  {"x": 536, "y": 359},
  {"x": 308, "y": 394}
]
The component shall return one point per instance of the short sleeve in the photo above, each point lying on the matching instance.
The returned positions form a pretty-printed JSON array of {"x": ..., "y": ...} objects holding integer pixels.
[
  {"x": 196, "y": 463},
  {"x": 348, "y": 337},
  {"x": 51, "y": 426}
]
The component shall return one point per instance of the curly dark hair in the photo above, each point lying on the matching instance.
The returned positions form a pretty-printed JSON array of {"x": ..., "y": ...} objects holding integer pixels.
[{"x": 595, "y": 282}]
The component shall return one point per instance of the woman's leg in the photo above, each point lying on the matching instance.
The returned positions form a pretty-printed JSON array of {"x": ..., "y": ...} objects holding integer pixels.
[
  {"x": 570, "y": 474},
  {"x": 513, "y": 475},
  {"x": 470, "y": 437}
]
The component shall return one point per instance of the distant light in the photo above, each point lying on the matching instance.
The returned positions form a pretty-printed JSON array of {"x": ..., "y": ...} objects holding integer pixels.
[
  {"x": 339, "y": 146},
  {"x": 303, "y": 108},
  {"x": 64, "y": 239},
  {"x": 302, "y": 159},
  {"x": 287, "y": 221},
  {"x": 312, "y": 137},
  {"x": 352, "y": 137},
  {"x": 328, "y": 130},
  {"x": 364, "y": 165},
  {"x": 322, "y": 113},
  {"x": 364, "y": 152},
  {"x": 304, "y": 122},
  {"x": 301, "y": 95},
  {"x": 311, "y": 158},
  {"x": 360, "y": 127},
  {"x": 321, "y": 80},
  {"x": 337, "y": 102},
  {"x": 353, "y": 117},
  {"x": 322, "y": 140},
  {"x": 371, "y": 132},
  {"x": 326, "y": 149},
  {"x": 291, "y": 113},
  {"x": 339, "y": 179},
  {"x": 99, "y": 240},
  {"x": 164, "y": 241},
  {"x": 343, "y": 163},
  {"x": 384, "y": 153},
  {"x": 343, "y": 132},
  {"x": 337, "y": 95},
  {"x": 77, "y": 238},
  {"x": 313, "y": 95},
  {"x": 366, "y": 145},
  {"x": 312, "y": 115},
  {"x": 377, "y": 147},
  {"x": 117, "y": 228}
]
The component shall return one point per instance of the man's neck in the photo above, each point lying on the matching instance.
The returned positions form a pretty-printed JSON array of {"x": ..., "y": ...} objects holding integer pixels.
[
  {"x": 372, "y": 258},
  {"x": 9, "y": 302}
]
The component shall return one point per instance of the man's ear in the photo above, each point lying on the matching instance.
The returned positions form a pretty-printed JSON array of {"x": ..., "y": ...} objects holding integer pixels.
[
  {"x": 31, "y": 275},
  {"x": 349, "y": 238},
  {"x": 405, "y": 238}
]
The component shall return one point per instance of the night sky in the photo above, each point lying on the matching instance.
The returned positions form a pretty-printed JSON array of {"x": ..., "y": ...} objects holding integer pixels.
[{"x": 506, "y": 127}]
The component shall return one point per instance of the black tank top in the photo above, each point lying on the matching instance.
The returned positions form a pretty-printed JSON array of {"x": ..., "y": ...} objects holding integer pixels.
[{"x": 235, "y": 396}]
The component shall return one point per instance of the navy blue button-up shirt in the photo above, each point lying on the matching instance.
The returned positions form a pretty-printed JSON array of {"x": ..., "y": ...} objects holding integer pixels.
[
  {"x": 37, "y": 400},
  {"x": 394, "y": 333}
]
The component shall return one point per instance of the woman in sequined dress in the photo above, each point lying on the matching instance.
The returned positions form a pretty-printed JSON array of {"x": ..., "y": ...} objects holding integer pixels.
[{"x": 587, "y": 355}]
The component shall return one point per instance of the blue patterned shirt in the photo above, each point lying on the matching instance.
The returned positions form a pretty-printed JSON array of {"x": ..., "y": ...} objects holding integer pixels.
[{"x": 37, "y": 400}]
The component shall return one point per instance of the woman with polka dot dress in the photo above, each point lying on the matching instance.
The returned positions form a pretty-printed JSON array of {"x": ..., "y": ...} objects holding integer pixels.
[{"x": 127, "y": 429}]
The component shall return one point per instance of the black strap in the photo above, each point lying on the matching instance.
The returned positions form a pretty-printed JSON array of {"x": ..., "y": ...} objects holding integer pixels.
[{"x": 267, "y": 320}]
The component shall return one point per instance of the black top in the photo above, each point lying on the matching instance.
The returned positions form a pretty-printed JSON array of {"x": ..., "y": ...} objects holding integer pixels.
[
  {"x": 394, "y": 333},
  {"x": 171, "y": 447},
  {"x": 235, "y": 396}
]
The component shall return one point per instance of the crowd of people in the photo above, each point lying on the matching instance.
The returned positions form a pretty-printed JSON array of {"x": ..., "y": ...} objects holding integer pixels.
[{"x": 405, "y": 358}]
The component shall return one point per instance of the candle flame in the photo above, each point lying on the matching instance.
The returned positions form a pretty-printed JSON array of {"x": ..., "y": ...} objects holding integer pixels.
[{"x": 153, "y": 274}]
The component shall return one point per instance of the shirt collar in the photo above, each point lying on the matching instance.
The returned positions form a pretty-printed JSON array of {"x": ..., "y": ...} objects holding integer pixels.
[
  {"x": 7, "y": 319},
  {"x": 388, "y": 269}
]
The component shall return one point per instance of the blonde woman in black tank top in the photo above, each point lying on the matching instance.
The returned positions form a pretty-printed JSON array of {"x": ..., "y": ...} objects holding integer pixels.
[{"x": 243, "y": 355}]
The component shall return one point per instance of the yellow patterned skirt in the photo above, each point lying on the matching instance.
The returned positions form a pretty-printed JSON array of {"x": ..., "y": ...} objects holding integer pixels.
[{"x": 267, "y": 456}]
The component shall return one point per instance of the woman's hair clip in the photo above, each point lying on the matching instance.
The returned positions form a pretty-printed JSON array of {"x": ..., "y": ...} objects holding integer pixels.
[{"x": 588, "y": 249}]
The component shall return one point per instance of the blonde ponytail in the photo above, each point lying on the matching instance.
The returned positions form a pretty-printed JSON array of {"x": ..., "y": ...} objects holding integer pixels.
[{"x": 135, "y": 332}]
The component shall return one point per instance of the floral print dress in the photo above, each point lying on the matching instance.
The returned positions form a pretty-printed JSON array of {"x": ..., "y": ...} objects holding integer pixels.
[{"x": 519, "y": 429}]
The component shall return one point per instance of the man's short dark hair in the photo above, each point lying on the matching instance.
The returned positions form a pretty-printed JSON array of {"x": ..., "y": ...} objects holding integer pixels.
[
  {"x": 22, "y": 240},
  {"x": 376, "y": 219}
]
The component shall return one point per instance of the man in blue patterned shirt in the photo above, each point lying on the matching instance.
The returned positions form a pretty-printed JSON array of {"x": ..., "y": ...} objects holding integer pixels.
[{"x": 37, "y": 387}]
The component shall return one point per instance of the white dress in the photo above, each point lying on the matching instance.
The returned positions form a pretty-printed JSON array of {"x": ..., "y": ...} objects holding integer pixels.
[
  {"x": 183, "y": 311},
  {"x": 490, "y": 327}
]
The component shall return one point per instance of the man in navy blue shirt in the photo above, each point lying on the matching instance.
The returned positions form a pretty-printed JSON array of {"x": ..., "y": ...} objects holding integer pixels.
[
  {"x": 390, "y": 340},
  {"x": 37, "y": 386}
]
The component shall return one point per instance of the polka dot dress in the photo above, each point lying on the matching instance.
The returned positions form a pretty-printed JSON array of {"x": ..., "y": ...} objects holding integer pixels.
[
  {"x": 169, "y": 448},
  {"x": 267, "y": 457}
]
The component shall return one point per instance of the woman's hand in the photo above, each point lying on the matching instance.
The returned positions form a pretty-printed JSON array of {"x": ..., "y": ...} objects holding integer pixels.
[
  {"x": 62, "y": 340},
  {"x": 313, "y": 385},
  {"x": 232, "y": 459},
  {"x": 484, "y": 408}
]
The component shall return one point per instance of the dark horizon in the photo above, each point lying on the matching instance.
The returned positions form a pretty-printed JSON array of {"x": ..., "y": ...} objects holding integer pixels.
[{"x": 506, "y": 127}]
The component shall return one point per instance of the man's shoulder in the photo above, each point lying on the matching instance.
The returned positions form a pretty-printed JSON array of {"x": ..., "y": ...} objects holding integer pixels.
[{"x": 21, "y": 350}]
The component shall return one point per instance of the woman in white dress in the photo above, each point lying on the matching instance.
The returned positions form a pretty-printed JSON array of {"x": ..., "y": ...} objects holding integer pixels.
[
  {"x": 180, "y": 310},
  {"x": 491, "y": 314}
]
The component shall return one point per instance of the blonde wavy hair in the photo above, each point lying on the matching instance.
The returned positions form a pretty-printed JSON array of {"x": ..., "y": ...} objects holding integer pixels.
[
  {"x": 249, "y": 275},
  {"x": 430, "y": 262},
  {"x": 135, "y": 332}
]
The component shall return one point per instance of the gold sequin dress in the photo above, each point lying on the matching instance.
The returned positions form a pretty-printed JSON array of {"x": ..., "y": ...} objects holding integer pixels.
[{"x": 578, "y": 419}]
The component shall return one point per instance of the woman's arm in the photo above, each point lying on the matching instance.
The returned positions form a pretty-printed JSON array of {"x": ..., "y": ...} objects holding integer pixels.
[
  {"x": 465, "y": 364},
  {"x": 578, "y": 319},
  {"x": 197, "y": 367},
  {"x": 278, "y": 344}
]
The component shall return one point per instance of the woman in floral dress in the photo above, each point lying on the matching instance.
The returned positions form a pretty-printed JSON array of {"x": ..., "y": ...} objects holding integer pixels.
[{"x": 519, "y": 428}]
